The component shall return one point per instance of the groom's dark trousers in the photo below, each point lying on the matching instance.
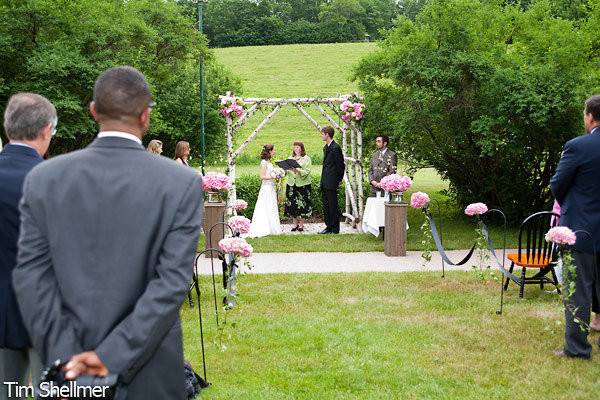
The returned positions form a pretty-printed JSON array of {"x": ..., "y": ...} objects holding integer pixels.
[
  {"x": 576, "y": 186},
  {"x": 331, "y": 176}
]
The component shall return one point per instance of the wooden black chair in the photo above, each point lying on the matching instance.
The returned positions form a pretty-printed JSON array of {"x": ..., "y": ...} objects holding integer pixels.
[{"x": 534, "y": 252}]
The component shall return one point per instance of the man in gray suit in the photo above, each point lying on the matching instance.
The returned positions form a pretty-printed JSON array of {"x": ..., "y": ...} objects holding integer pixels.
[
  {"x": 107, "y": 243},
  {"x": 383, "y": 163}
]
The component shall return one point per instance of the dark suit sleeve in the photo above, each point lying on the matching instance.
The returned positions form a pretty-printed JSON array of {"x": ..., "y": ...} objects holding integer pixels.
[
  {"x": 51, "y": 327},
  {"x": 339, "y": 163},
  {"x": 565, "y": 171},
  {"x": 135, "y": 339},
  {"x": 394, "y": 163}
]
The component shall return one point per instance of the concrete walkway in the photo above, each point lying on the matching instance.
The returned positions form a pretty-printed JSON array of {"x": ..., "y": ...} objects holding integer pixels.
[{"x": 269, "y": 263}]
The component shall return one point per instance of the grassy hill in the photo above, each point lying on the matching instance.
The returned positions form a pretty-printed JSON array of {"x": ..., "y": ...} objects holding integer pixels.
[{"x": 306, "y": 70}]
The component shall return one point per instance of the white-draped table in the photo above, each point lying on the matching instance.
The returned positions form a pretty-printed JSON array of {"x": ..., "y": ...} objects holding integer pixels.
[{"x": 374, "y": 215}]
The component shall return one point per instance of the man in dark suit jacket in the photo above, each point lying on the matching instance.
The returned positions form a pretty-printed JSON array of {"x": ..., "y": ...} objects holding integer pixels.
[
  {"x": 29, "y": 122},
  {"x": 331, "y": 176},
  {"x": 576, "y": 186},
  {"x": 106, "y": 250}
]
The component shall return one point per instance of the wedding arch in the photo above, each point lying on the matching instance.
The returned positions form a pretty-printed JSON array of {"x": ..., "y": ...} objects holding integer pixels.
[{"x": 329, "y": 109}]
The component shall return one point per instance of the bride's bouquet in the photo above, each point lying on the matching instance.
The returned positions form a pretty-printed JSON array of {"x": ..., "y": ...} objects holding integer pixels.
[{"x": 278, "y": 173}]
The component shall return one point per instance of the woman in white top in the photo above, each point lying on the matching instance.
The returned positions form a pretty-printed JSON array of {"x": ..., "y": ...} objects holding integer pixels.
[{"x": 265, "y": 219}]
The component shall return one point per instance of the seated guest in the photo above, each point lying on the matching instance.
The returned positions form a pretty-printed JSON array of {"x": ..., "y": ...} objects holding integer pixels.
[
  {"x": 182, "y": 152},
  {"x": 155, "y": 147},
  {"x": 383, "y": 163},
  {"x": 29, "y": 122},
  {"x": 297, "y": 193}
]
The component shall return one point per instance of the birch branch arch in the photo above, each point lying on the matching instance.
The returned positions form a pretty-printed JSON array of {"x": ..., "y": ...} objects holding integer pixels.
[{"x": 327, "y": 107}]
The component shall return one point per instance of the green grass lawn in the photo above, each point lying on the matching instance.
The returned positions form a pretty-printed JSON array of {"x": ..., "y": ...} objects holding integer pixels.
[
  {"x": 300, "y": 70},
  {"x": 386, "y": 336}
]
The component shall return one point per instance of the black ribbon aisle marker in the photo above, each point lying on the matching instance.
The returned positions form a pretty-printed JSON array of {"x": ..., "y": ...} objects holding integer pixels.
[{"x": 440, "y": 247}]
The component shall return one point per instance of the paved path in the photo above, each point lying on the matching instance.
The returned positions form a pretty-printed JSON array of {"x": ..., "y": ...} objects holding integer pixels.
[{"x": 268, "y": 263}]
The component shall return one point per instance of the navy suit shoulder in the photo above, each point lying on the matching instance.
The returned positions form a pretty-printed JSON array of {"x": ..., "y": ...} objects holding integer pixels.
[
  {"x": 15, "y": 163},
  {"x": 576, "y": 186}
]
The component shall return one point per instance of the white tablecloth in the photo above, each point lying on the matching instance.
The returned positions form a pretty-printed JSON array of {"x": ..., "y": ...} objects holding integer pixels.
[{"x": 374, "y": 215}]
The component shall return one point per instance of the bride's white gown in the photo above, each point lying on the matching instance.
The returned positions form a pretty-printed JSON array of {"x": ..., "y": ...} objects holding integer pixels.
[{"x": 265, "y": 220}]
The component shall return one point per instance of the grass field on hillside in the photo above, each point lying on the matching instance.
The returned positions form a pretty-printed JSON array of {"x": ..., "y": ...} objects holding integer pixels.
[{"x": 304, "y": 70}]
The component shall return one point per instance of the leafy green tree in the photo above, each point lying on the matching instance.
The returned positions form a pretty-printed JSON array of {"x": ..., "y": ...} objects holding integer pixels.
[
  {"x": 58, "y": 47},
  {"x": 485, "y": 94}
]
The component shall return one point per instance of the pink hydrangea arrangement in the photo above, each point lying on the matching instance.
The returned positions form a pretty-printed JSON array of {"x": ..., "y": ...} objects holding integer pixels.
[
  {"x": 239, "y": 205},
  {"x": 561, "y": 235},
  {"x": 395, "y": 183},
  {"x": 419, "y": 200},
  {"x": 236, "y": 245},
  {"x": 215, "y": 182},
  {"x": 476, "y": 209},
  {"x": 239, "y": 224},
  {"x": 351, "y": 111},
  {"x": 232, "y": 106}
]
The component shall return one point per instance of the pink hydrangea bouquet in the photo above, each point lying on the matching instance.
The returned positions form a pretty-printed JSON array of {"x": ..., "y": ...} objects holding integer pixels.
[
  {"x": 232, "y": 106},
  {"x": 239, "y": 205},
  {"x": 476, "y": 209},
  {"x": 236, "y": 245},
  {"x": 239, "y": 224},
  {"x": 215, "y": 182},
  {"x": 351, "y": 111},
  {"x": 395, "y": 183},
  {"x": 419, "y": 200},
  {"x": 561, "y": 235}
]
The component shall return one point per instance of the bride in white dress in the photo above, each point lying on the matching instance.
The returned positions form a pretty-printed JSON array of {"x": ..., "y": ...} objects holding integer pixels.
[{"x": 265, "y": 220}]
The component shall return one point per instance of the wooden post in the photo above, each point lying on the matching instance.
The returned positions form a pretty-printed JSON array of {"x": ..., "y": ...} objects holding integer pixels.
[
  {"x": 213, "y": 214},
  {"x": 395, "y": 229}
]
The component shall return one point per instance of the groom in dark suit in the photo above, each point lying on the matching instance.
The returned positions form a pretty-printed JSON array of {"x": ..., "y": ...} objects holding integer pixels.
[
  {"x": 331, "y": 176},
  {"x": 29, "y": 122},
  {"x": 107, "y": 244},
  {"x": 576, "y": 186}
]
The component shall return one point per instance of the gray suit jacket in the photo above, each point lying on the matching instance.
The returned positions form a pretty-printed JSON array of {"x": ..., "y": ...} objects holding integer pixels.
[
  {"x": 107, "y": 243},
  {"x": 382, "y": 166}
]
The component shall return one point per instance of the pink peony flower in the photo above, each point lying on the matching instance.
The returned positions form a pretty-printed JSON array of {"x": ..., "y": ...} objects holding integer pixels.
[
  {"x": 561, "y": 235},
  {"x": 239, "y": 205},
  {"x": 395, "y": 183},
  {"x": 345, "y": 104},
  {"x": 476, "y": 209},
  {"x": 239, "y": 224},
  {"x": 236, "y": 245},
  {"x": 419, "y": 200},
  {"x": 214, "y": 182}
]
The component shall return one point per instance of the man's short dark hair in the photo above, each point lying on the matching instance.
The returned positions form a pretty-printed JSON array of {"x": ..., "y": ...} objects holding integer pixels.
[
  {"x": 26, "y": 115},
  {"x": 121, "y": 93},
  {"x": 385, "y": 139},
  {"x": 328, "y": 130},
  {"x": 592, "y": 106}
]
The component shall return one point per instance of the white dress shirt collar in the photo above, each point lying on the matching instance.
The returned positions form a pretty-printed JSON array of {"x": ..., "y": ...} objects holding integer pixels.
[{"x": 123, "y": 135}]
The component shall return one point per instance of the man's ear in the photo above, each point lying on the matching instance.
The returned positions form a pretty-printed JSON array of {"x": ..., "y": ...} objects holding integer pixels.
[
  {"x": 93, "y": 111},
  {"x": 47, "y": 131},
  {"x": 144, "y": 117}
]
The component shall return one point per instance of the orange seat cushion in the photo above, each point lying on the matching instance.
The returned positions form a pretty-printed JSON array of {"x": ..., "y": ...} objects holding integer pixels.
[{"x": 534, "y": 261}]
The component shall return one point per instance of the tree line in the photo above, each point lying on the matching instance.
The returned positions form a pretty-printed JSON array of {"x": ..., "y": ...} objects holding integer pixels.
[{"x": 264, "y": 22}]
